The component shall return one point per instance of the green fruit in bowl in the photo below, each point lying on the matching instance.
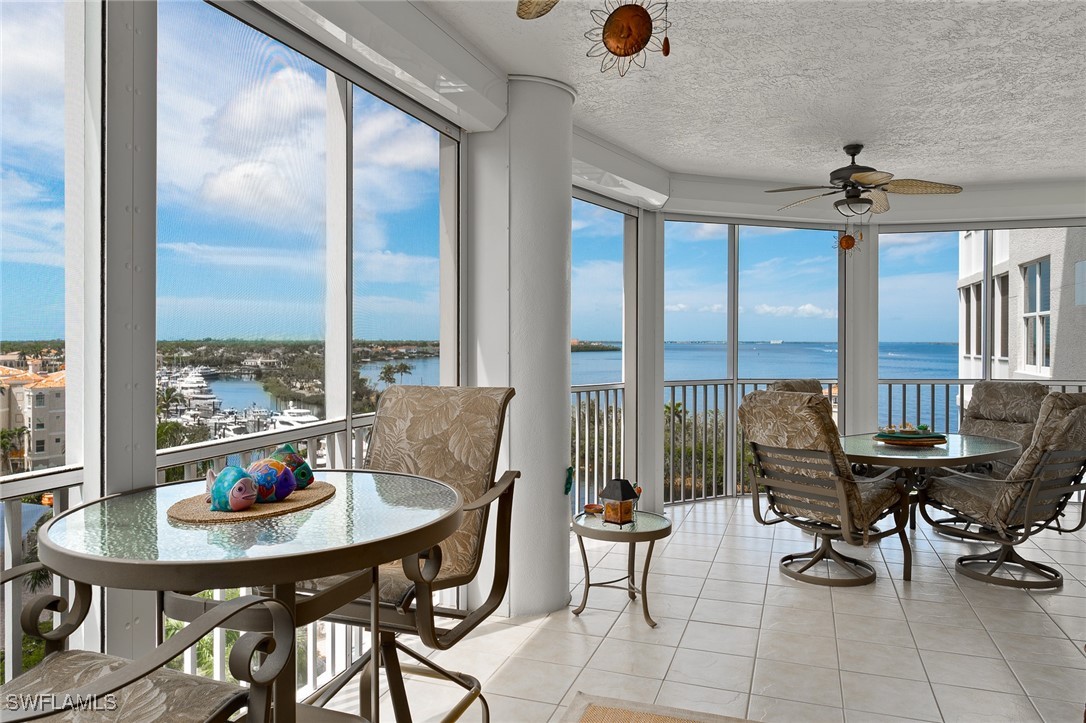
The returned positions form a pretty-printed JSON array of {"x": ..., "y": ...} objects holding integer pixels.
[{"x": 922, "y": 427}]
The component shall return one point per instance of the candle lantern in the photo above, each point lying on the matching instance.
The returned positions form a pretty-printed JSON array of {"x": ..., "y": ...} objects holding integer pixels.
[{"x": 617, "y": 499}]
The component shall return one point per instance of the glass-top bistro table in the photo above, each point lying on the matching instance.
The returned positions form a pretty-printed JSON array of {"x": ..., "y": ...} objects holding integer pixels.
[
  {"x": 646, "y": 527},
  {"x": 127, "y": 541},
  {"x": 959, "y": 449}
]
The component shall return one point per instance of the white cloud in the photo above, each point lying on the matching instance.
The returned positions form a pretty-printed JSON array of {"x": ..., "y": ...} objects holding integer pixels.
[
  {"x": 386, "y": 267},
  {"x": 803, "y": 311},
  {"x": 915, "y": 246},
  {"x": 393, "y": 140},
  {"x": 676, "y": 307},
  {"x": 715, "y": 308},
  {"x": 31, "y": 222},
  {"x": 32, "y": 76},
  {"x": 276, "y": 108},
  {"x": 244, "y": 257}
]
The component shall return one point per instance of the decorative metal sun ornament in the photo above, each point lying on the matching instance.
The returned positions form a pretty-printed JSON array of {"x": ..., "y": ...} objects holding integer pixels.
[
  {"x": 850, "y": 240},
  {"x": 626, "y": 30}
]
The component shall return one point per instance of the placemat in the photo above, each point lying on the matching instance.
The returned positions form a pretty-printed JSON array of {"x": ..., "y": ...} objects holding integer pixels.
[{"x": 197, "y": 509}]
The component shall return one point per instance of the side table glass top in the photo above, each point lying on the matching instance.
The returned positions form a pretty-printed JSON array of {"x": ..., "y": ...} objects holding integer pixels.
[
  {"x": 959, "y": 448},
  {"x": 643, "y": 522}
]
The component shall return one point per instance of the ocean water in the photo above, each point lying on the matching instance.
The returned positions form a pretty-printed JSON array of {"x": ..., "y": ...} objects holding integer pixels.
[{"x": 682, "y": 361}]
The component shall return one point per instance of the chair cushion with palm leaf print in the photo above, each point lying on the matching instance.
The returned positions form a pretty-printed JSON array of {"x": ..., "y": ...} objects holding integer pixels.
[
  {"x": 811, "y": 386},
  {"x": 1006, "y": 410},
  {"x": 1061, "y": 425},
  {"x": 796, "y": 420},
  {"x": 164, "y": 696},
  {"x": 450, "y": 434}
]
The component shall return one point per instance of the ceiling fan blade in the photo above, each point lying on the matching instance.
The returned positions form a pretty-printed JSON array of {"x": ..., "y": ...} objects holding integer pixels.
[
  {"x": 798, "y": 188},
  {"x": 871, "y": 178},
  {"x": 532, "y": 9},
  {"x": 915, "y": 186},
  {"x": 880, "y": 202},
  {"x": 811, "y": 198}
]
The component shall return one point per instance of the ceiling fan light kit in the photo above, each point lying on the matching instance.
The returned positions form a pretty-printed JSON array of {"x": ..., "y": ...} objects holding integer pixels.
[{"x": 866, "y": 188}]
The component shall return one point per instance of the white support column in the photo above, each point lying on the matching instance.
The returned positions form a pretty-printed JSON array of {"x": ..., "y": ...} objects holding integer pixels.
[
  {"x": 648, "y": 387},
  {"x": 449, "y": 254},
  {"x": 128, "y": 377},
  {"x": 518, "y": 319},
  {"x": 858, "y": 337},
  {"x": 83, "y": 261},
  {"x": 339, "y": 266}
]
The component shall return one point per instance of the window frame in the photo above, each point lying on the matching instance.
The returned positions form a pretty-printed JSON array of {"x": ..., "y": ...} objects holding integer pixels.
[{"x": 1041, "y": 318}]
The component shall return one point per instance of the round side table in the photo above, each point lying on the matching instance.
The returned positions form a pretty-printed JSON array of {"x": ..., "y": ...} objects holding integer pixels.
[{"x": 646, "y": 527}]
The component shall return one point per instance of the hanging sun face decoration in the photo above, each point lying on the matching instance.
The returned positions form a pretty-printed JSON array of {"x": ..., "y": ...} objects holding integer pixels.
[
  {"x": 849, "y": 240},
  {"x": 626, "y": 30}
]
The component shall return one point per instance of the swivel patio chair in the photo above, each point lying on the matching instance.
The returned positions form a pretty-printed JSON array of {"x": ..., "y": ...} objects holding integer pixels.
[
  {"x": 1031, "y": 498},
  {"x": 78, "y": 682},
  {"x": 807, "y": 481},
  {"x": 451, "y": 434},
  {"x": 1007, "y": 410}
]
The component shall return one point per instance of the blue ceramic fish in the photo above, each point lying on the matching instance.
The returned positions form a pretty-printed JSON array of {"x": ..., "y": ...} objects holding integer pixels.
[
  {"x": 274, "y": 480},
  {"x": 303, "y": 473},
  {"x": 231, "y": 490}
]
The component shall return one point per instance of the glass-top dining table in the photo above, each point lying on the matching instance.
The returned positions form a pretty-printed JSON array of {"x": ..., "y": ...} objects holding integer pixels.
[
  {"x": 128, "y": 541},
  {"x": 915, "y": 461}
]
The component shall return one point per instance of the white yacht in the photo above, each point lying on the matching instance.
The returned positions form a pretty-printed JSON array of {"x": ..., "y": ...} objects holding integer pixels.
[
  {"x": 292, "y": 417},
  {"x": 193, "y": 383}
]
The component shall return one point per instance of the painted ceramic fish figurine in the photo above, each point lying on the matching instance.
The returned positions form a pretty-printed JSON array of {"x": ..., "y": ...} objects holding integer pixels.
[
  {"x": 274, "y": 480},
  {"x": 303, "y": 473},
  {"x": 231, "y": 490}
]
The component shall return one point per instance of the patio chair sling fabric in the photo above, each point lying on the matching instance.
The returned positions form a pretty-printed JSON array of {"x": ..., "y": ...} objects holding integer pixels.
[
  {"x": 1007, "y": 410},
  {"x": 808, "y": 482},
  {"x": 1007, "y": 510},
  {"x": 143, "y": 690},
  {"x": 451, "y": 434}
]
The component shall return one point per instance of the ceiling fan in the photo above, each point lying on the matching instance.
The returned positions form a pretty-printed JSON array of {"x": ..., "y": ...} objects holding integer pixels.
[{"x": 865, "y": 188}]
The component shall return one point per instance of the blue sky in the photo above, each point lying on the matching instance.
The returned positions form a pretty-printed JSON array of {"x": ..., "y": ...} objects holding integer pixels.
[{"x": 241, "y": 217}]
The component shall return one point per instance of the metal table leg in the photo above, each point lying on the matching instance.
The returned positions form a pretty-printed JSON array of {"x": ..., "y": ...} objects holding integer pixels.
[
  {"x": 631, "y": 589},
  {"x": 645, "y": 584},
  {"x": 587, "y": 581}
]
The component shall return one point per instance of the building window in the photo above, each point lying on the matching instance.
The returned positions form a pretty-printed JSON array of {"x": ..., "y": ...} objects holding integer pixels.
[
  {"x": 977, "y": 326},
  {"x": 1036, "y": 314},
  {"x": 39, "y": 400},
  {"x": 39, "y": 446},
  {"x": 1002, "y": 307},
  {"x": 39, "y": 424},
  {"x": 967, "y": 299}
]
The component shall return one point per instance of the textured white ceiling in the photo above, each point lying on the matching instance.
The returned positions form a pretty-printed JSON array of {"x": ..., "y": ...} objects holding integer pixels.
[{"x": 960, "y": 92}]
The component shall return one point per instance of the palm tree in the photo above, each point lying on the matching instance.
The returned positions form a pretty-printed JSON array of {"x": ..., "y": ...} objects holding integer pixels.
[
  {"x": 11, "y": 440},
  {"x": 388, "y": 374},
  {"x": 403, "y": 368},
  {"x": 168, "y": 398}
]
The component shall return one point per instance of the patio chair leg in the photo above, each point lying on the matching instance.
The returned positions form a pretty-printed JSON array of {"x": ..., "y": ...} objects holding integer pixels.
[
  {"x": 430, "y": 669},
  {"x": 863, "y": 572},
  {"x": 1007, "y": 555},
  {"x": 394, "y": 678}
]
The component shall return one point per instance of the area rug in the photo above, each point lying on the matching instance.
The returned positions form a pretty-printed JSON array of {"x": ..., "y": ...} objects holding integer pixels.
[{"x": 593, "y": 709}]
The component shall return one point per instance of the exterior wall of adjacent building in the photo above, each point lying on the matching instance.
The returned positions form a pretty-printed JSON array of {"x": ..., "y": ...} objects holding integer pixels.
[{"x": 1014, "y": 252}]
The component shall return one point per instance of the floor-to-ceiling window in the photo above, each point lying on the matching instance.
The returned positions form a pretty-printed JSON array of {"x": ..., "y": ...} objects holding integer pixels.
[
  {"x": 241, "y": 229},
  {"x": 787, "y": 303},
  {"x": 43, "y": 329},
  {"x": 1039, "y": 303},
  {"x": 930, "y": 323},
  {"x": 598, "y": 349},
  {"x": 397, "y": 299}
]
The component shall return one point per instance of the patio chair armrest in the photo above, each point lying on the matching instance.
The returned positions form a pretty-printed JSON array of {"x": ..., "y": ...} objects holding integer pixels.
[
  {"x": 888, "y": 473},
  {"x": 499, "y": 488},
  {"x": 275, "y": 646},
  {"x": 30, "y": 616}
]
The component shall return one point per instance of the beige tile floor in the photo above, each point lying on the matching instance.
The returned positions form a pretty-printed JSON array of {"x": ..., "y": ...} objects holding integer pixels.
[{"x": 736, "y": 637}]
